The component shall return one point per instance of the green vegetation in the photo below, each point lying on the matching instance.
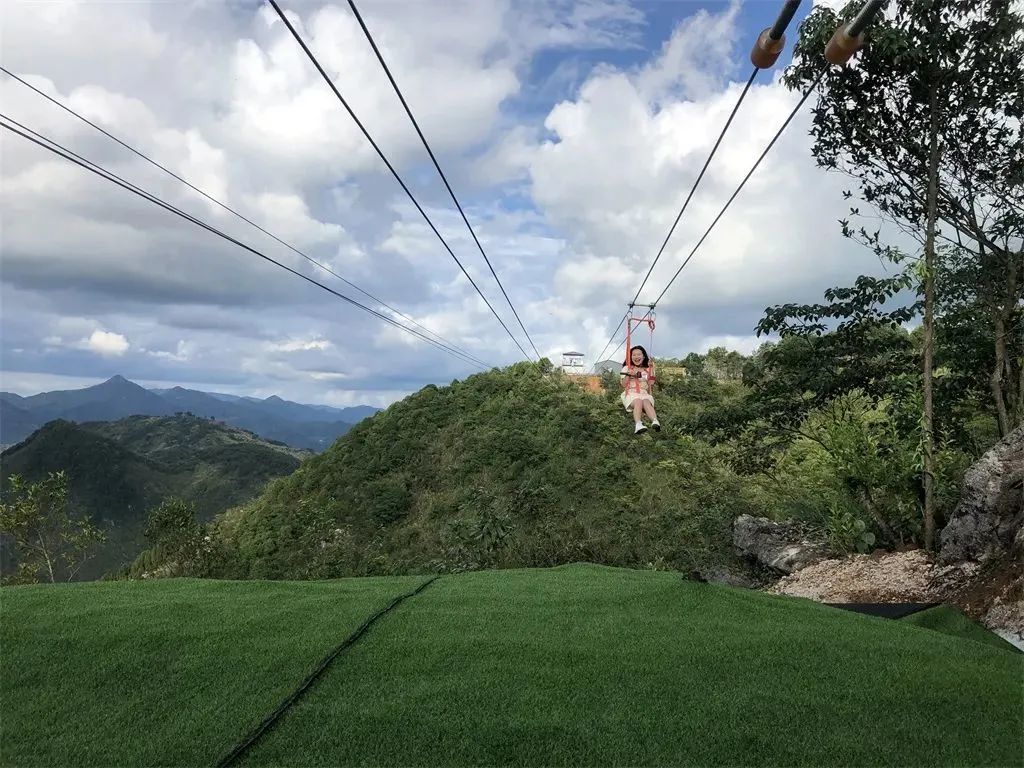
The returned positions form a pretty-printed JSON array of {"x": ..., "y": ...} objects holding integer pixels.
[
  {"x": 517, "y": 467},
  {"x": 947, "y": 619},
  {"x": 579, "y": 664},
  {"x": 49, "y": 541},
  {"x": 161, "y": 673},
  {"x": 928, "y": 127},
  {"x": 520, "y": 467},
  {"x": 118, "y": 471},
  {"x": 849, "y": 422}
]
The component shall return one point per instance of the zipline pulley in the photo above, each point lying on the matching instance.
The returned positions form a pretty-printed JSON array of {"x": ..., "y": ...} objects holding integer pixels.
[{"x": 770, "y": 42}]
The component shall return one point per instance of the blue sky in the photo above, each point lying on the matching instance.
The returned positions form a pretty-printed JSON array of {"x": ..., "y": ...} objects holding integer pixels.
[
  {"x": 660, "y": 18},
  {"x": 570, "y": 130}
]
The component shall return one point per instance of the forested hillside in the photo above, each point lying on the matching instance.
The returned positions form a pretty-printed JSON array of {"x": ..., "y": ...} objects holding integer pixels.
[
  {"x": 118, "y": 471},
  {"x": 521, "y": 467},
  {"x": 508, "y": 467}
]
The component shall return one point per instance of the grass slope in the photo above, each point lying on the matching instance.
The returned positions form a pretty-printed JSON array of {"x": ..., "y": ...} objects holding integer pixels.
[
  {"x": 946, "y": 618},
  {"x": 581, "y": 664},
  {"x": 587, "y": 665},
  {"x": 167, "y": 673}
]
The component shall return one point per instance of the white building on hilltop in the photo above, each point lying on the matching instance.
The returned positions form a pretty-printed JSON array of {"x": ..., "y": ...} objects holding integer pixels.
[{"x": 572, "y": 363}]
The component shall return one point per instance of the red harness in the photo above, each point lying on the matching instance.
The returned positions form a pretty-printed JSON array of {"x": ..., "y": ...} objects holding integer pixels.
[{"x": 636, "y": 322}]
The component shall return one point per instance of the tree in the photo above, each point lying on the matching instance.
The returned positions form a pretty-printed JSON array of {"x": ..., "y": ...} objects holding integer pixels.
[
  {"x": 973, "y": 309},
  {"x": 724, "y": 365},
  {"x": 180, "y": 544},
  {"x": 928, "y": 124},
  {"x": 172, "y": 527},
  {"x": 48, "y": 540},
  {"x": 849, "y": 342}
]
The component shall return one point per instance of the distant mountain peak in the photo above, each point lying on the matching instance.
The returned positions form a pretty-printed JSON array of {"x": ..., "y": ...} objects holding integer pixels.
[
  {"x": 275, "y": 418},
  {"x": 120, "y": 382}
]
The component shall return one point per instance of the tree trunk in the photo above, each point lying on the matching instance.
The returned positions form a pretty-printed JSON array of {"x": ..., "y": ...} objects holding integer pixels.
[
  {"x": 1002, "y": 383},
  {"x": 927, "y": 418},
  {"x": 1019, "y": 408},
  {"x": 1014, "y": 361},
  {"x": 869, "y": 505},
  {"x": 996, "y": 379},
  {"x": 49, "y": 562}
]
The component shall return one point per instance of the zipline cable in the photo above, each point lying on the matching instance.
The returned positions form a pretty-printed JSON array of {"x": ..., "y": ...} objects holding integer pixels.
[
  {"x": 689, "y": 196},
  {"x": 398, "y": 178},
  {"x": 732, "y": 197},
  {"x": 223, "y": 205},
  {"x": 845, "y": 42},
  {"x": 57, "y": 149},
  {"x": 743, "y": 183},
  {"x": 764, "y": 54},
  {"x": 696, "y": 183},
  {"x": 426, "y": 145}
]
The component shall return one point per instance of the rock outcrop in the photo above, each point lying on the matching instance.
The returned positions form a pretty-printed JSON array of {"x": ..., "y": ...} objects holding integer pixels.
[
  {"x": 782, "y": 546},
  {"x": 989, "y": 520},
  {"x": 730, "y": 577},
  {"x": 979, "y": 566}
]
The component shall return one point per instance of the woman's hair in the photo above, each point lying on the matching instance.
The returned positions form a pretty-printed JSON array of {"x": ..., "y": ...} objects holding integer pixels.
[{"x": 629, "y": 357}]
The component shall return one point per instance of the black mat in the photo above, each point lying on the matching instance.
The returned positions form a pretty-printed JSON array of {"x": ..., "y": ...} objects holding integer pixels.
[{"x": 885, "y": 610}]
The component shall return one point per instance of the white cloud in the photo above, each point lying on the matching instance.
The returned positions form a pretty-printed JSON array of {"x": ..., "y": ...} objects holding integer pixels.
[
  {"x": 835, "y": 5},
  {"x": 328, "y": 376},
  {"x": 287, "y": 216},
  {"x": 183, "y": 352},
  {"x": 570, "y": 199},
  {"x": 106, "y": 343},
  {"x": 743, "y": 344},
  {"x": 695, "y": 59},
  {"x": 625, "y": 152},
  {"x": 300, "y": 345}
]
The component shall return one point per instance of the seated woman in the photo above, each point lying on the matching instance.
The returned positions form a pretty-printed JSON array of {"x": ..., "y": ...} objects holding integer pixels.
[{"x": 636, "y": 388}]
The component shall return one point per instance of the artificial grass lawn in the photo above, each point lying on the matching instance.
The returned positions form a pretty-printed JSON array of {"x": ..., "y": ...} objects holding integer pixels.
[
  {"x": 947, "y": 619},
  {"x": 587, "y": 665},
  {"x": 162, "y": 673}
]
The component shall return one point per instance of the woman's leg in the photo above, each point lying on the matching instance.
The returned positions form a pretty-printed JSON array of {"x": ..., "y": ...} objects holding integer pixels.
[
  {"x": 649, "y": 410},
  {"x": 638, "y": 410}
]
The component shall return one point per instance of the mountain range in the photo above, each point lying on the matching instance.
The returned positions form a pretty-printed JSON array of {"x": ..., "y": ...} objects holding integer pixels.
[{"x": 313, "y": 427}]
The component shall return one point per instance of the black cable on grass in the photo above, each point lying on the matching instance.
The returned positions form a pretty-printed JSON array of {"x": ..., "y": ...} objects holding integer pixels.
[{"x": 268, "y": 722}]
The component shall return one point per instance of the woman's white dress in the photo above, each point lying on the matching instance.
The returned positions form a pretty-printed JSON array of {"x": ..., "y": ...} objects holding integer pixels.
[{"x": 636, "y": 389}]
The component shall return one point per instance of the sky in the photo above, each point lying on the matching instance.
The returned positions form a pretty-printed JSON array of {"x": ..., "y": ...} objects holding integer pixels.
[{"x": 571, "y": 132}]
